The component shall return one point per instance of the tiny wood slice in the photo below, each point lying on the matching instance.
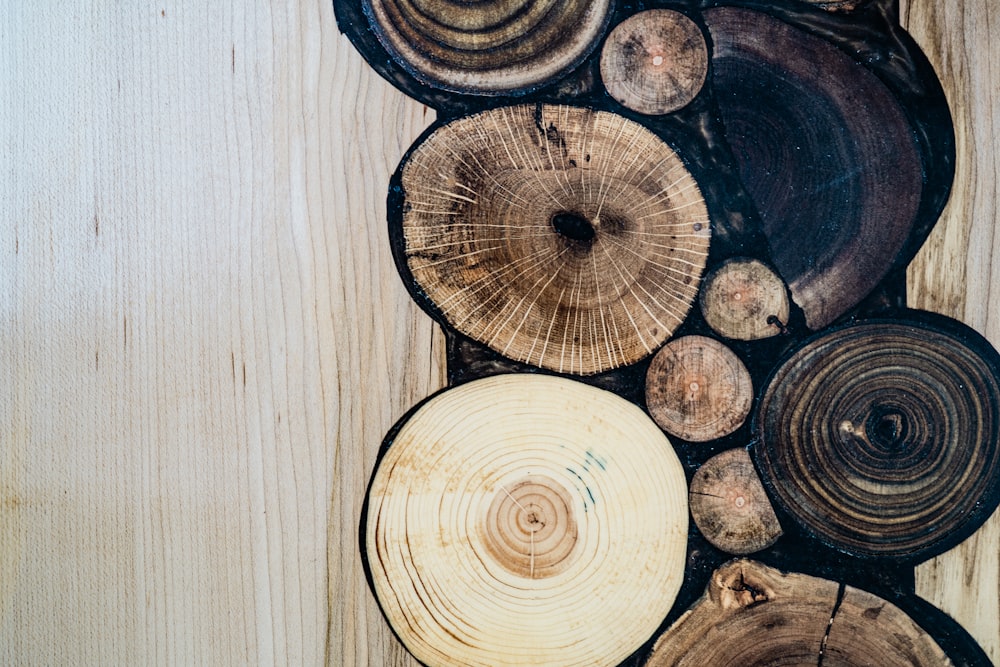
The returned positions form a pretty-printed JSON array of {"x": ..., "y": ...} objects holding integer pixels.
[
  {"x": 527, "y": 520},
  {"x": 826, "y": 152},
  {"x": 698, "y": 389},
  {"x": 755, "y": 616},
  {"x": 487, "y": 47},
  {"x": 882, "y": 437},
  {"x": 730, "y": 507},
  {"x": 561, "y": 237},
  {"x": 655, "y": 62},
  {"x": 743, "y": 299}
]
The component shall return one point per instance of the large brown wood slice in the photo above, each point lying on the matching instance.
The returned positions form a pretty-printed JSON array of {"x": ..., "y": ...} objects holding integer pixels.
[
  {"x": 743, "y": 299},
  {"x": 489, "y": 46},
  {"x": 562, "y": 237},
  {"x": 698, "y": 389},
  {"x": 882, "y": 437},
  {"x": 655, "y": 62},
  {"x": 755, "y": 616},
  {"x": 526, "y": 520},
  {"x": 729, "y": 505},
  {"x": 825, "y": 151}
]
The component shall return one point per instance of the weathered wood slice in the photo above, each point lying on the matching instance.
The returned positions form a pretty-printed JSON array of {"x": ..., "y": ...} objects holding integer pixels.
[
  {"x": 526, "y": 520},
  {"x": 655, "y": 62},
  {"x": 729, "y": 505},
  {"x": 562, "y": 237},
  {"x": 826, "y": 152},
  {"x": 698, "y": 389},
  {"x": 882, "y": 437},
  {"x": 487, "y": 47},
  {"x": 743, "y": 299},
  {"x": 752, "y": 615}
]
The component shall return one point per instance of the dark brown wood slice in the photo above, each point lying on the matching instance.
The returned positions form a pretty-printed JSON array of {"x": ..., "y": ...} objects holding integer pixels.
[
  {"x": 755, "y": 616},
  {"x": 743, "y": 299},
  {"x": 526, "y": 520},
  {"x": 489, "y": 46},
  {"x": 729, "y": 505},
  {"x": 655, "y": 62},
  {"x": 561, "y": 237},
  {"x": 698, "y": 389},
  {"x": 826, "y": 152},
  {"x": 882, "y": 437}
]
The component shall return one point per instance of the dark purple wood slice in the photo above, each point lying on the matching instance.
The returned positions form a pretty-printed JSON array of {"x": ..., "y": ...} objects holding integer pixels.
[{"x": 824, "y": 149}]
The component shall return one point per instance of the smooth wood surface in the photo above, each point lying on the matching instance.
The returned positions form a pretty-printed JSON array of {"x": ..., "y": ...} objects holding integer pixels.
[{"x": 203, "y": 338}]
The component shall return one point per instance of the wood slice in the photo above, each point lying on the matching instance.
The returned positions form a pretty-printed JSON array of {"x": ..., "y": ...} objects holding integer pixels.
[
  {"x": 655, "y": 62},
  {"x": 729, "y": 505},
  {"x": 562, "y": 237},
  {"x": 825, "y": 151},
  {"x": 752, "y": 615},
  {"x": 526, "y": 520},
  {"x": 882, "y": 437},
  {"x": 487, "y": 47},
  {"x": 743, "y": 299},
  {"x": 698, "y": 389}
]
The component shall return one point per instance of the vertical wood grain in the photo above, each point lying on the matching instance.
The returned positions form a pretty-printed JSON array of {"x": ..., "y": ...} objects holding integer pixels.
[
  {"x": 203, "y": 330},
  {"x": 956, "y": 270}
]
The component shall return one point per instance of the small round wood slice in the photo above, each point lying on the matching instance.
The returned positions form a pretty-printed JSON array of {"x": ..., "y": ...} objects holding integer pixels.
[
  {"x": 526, "y": 520},
  {"x": 743, "y": 299},
  {"x": 698, "y": 389},
  {"x": 882, "y": 437},
  {"x": 730, "y": 507},
  {"x": 655, "y": 62},
  {"x": 487, "y": 47},
  {"x": 755, "y": 616},
  {"x": 562, "y": 237},
  {"x": 826, "y": 152}
]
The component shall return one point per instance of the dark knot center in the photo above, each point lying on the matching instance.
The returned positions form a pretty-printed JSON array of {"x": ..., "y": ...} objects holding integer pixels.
[{"x": 574, "y": 227}]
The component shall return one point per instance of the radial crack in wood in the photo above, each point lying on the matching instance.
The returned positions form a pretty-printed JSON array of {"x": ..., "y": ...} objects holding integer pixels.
[
  {"x": 752, "y": 615},
  {"x": 562, "y": 237},
  {"x": 655, "y": 62},
  {"x": 729, "y": 505},
  {"x": 698, "y": 389},
  {"x": 743, "y": 299},
  {"x": 826, "y": 152},
  {"x": 526, "y": 520},
  {"x": 882, "y": 437},
  {"x": 487, "y": 47}
]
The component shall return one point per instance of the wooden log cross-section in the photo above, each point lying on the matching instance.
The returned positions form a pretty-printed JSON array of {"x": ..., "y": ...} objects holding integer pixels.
[{"x": 559, "y": 236}]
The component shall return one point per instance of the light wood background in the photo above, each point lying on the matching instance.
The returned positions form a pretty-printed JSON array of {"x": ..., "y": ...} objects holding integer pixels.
[{"x": 203, "y": 338}]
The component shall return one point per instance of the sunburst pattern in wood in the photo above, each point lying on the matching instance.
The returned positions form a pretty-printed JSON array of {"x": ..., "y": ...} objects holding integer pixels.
[{"x": 559, "y": 236}]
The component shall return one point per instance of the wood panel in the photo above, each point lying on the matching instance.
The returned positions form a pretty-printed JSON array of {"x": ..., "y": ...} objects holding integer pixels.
[{"x": 203, "y": 338}]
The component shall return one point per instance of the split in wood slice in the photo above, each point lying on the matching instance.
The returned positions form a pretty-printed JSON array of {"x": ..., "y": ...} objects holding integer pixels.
[
  {"x": 488, "y": 47},
  {"x": 655, "y": 62},
  {"x": 755, "y": 616},
  {"x": 730, "y": 507},
  {"x": 882, "y": 437},
  {"x": 698, "y": 389},
  {"x": 826, "y": 152},
  {"x": 562, "y": 237},
  {"x": 527, "y": 520},
  {"x": 743, "y": 299}
]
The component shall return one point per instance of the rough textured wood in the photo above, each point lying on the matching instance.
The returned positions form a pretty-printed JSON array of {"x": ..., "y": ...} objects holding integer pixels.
[
  {"x": 743, "y": 299},
  {"x": 754, "y": 615},
  {"x": 487, "y": 47},
  {"x": 957, "y": 269},
  {"x": 561, "y": 237},
  {"x": 698, "y": 389},
  {"x": 188, "y": 188},
  {"x": 655, "y": 62},
  {"x": 527, "y": 520},
  {"x": 729, "y": 505}
]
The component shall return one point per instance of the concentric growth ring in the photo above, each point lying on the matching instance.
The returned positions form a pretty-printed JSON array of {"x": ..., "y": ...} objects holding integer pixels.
[
  {"x": 526, "y": 520},
  {"x": 882, "y": 437}
]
